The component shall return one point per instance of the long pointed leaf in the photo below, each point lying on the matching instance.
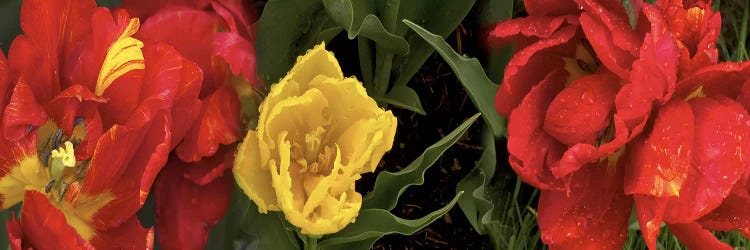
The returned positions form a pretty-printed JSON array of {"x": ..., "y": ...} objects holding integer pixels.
[
  {"x": 471, "y": 74},
  {"x": 389, "y": 186}
]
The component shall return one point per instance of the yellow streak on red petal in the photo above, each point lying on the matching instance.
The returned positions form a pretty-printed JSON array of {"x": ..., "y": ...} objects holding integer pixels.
[
  {"x": 27, "y": 174},
  {"x": 80, "y": 213},
  {"x": 122, "y": 57}
]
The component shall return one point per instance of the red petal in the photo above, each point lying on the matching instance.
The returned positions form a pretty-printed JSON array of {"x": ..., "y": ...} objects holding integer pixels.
[
  {"x": 144, "y": 9},
  {"x": 720, "y": 127},
  {"x": 173, "y": 25},
  {"x": 592, "y": 215},
  {"x": 582, "y": 109},
  {"x": 5, "y": 80},
  {"x": 237, "y": 13},
  {"x": 218, "y": 124},
  {"x": 125, "y": 163},
  {"x": 550, "y": 7},
  {"x": 46, "y": 227},
  {"x": 731, "y": 215},
  {"x": 695, "y": 237},
  {"x": 51, "y": 31},
  {"x": 530, "y": 65},
  {"x": 22, "y": 113},
  {"x": 526, "y": 30},
  {"x": 718, "y": 79},
  {"x": 129, "y": 235},
  {"x": 529, "y": 146},
  {"x": 650, "y": 212},
  {"x": 744, "y": 96},
  {"x": 608, "y": 30},
  {"x": 16, "y": 237},
  {"x": 209, "y": 168},
  {"x": 239, "y": 53},
  {"x": 74, "y": 102},
  {"x": 660, "y": 162},
  {"x": 186, "y": 211}
]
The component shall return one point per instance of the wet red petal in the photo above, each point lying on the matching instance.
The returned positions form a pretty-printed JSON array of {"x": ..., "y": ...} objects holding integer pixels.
[
  {"x": 238, "y": 15},
  {"x": 582, "y": 109},
  {"x": 530, "y": 65},
  {"x": 695, "y": 237},
  {"x": 592, "y": 215},
  {"x": 239, "y": 53},
  {"x": 744, "y": 96},
  {"x": 732, "y": 214},
  {"x": 129, "y": 235},
  {"x": 660, "y": 162},
  {"x": 650, "y": 213},
  {"x": 718, "y": 79},
  {"x": 45, "y": 226},
  {"x": 529, "y": 146},
  {"x": 721, "y": 125},
  {"x": 525, "y": 30},
  {"x": 23, "y": 112},
  {"x": 550, "y": 7},
  {"x": 218, "y": 124},
  {"x": 172, "y": 25},
  {"x": 186, "y": 211}
]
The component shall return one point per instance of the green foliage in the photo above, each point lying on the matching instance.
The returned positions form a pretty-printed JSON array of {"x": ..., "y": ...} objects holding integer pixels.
[
  {"x": 285, "y": 30},
  {"x": 389, "y": 186},
  {"x": 471, "y": 74},
  {"x": 389, "y": 55},
  {"x": 9, "y": 17}
]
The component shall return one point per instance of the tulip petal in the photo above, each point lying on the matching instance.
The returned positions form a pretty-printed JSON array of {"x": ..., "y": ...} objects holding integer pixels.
[
  {"x": 19, "y": 168},
  {"x": 144, "y": 9},
  {"x": 531, "y": 65},
  {"x": 695, "y": 237},
  {"x": 721, "y": 126},
  {"x": 187, "y": 211},
  {"x": 218, "y": 124},
  {"x": 210, "y": 168},
  {"x": 75, "y": 102},
  {"x": 22, "y": 113},
  {"x": 129, "y": 235},
  {"x": 592, "y": 215},
  {"x": 732, "y": 214},
  {"x": 717, "y": 79},
  {"x": 239, "y": 53},
  {"x": 582, "y": 109},
  {"x": 529, "y": 146},
  {"x": 46, "y": 227},
  {"x": 660, "y": 162},
  {"x": 253, "y": 177}
]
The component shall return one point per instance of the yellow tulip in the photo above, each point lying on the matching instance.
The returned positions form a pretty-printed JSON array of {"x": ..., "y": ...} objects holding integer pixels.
[{"x": 317, "y": 133}]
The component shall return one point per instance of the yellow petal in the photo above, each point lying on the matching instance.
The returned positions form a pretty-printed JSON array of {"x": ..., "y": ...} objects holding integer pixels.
[
  {"x": 253, "y": 177},
  {"x": 317, "y": 61},
  {"x": 28, "y": 173},
  {"x": 123, "y": 56}
]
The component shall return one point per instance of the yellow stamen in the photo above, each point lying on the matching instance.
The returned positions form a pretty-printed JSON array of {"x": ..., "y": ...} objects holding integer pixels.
[
  {"x": 122, "y": 57},
  {"x": 65, "y": 155}
]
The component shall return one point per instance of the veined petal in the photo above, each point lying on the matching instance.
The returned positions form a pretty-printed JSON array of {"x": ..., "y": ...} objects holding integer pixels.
[
  {"x": 732, "y": 214},
  {"x": 186, "y": 211},
  {"x": 144, "y": 9},
  {"x": 22, "y": 113},
  {"x": 550, "y": 7},
  {"x": 75, "y": 102},
  {"x": 725, "y": 78},
  {"x": 47, "y": 227},
  {"x": 239, "y": 53},
  {"x": 218, "y": 124},
  {"x": 210, "y": 168},
  {"x": 20, "y": 169},
  {"x": 123, "y": 56},
  {"x": 129, "y": 235}
]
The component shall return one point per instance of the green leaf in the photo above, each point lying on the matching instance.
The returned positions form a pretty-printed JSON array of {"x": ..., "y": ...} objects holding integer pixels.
[
  {"x": 471, "y": 74},
  {"x": 263, "y": 231},
  {"x": 477, "y": 206},
  {"x": 403, "y": 97},
  {"x": 10, "y": 14},
  {"x": 109, "y": 3},
  {"x": 285, "y": 30},
  {"x": 357, "y": 19},
  {"x": 375, "y": 223},
  {"x": 389, "y": 186},
  {"x": 440, "y": 18}
]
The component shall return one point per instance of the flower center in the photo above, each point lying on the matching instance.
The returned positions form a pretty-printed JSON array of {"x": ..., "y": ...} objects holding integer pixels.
[
  {"x": 57, "y": 152},
  {"x": 584, "y": 62},
  {"x": 311, "y": 157}
]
